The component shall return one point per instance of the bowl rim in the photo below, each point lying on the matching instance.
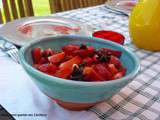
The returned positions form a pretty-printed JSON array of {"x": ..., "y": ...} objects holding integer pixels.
[{"x": 54, "y": 79}]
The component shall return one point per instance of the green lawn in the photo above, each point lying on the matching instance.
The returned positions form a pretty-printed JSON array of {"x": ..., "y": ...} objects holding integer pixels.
[{"x": 41, "y": 7}]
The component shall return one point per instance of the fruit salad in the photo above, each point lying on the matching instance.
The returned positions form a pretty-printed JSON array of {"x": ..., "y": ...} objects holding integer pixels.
[{"x": 80, "y": 63}]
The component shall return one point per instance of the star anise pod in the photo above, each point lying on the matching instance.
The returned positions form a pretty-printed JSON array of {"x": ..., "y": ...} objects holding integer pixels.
[
  {"x": 77, "y": 73},
  {"x": 83, "y": 46},
  {"x": 103, "y": 56}
]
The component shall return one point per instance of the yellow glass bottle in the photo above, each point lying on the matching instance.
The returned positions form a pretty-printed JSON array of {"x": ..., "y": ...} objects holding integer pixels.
[{"x": 144, "y": 25}]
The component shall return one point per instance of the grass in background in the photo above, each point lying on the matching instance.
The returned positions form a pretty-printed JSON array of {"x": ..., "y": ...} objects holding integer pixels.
[{"x": 41, "y": 7}]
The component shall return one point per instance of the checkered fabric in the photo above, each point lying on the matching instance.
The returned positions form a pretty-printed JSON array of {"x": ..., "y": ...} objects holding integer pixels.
[{"x": 140, "y": 100}]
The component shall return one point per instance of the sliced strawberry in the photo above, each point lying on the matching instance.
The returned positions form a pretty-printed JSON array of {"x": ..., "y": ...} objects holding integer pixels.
[
  {"x": 48, "y": 52},
  {"x": 52, "y": 68},
  {"x": 95, "y": 59},
  {"x": 67, "y": 57},
  {"x": 123, "y": 71},
  {"x": 87, "y": 70},
  {"x": 88, "y": 60},
  {"x": 43, "y": 60},
  {"x": 69, "y": 49},
  {"x": 96, "y": 77},
  {"x": 36, "y": 55},
  {"x": 84, "y": 51},
  {"x": 114, "y": 60},
  {"x": 47, "y": 68},
  {"x": 36, "y": 65},
  {"x": 92, "y": 75},
  {"x": 112, "y": 69},
  {"x": 56, "y": 58},
  {"x": 90, "y": 50},
  {"x": 63, "y": 73},
  {"x": 68, "y": 64},
  {"x": 81, "y": 52},
  {"x": 116, "y": 53},
  {"x": 66, "y": 68},
  {"x": 43, "y": 68},
  {"x": 119, "y": 74},
  {"x": 103, "y": 71}
]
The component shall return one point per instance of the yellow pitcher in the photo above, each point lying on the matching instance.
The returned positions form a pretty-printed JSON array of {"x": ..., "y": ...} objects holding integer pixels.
[{"x": 144, "y": 25}]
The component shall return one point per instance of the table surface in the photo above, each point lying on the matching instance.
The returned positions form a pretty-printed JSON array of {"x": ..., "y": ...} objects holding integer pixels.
[{"x": 140, "y": 100}]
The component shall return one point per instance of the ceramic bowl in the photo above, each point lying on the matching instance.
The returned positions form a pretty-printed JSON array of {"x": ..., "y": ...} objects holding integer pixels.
[{"x": 76, "y": 95}]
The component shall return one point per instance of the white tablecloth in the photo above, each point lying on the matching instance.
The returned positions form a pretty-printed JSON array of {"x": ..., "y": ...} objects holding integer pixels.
[{"x": 20, "y": 96}]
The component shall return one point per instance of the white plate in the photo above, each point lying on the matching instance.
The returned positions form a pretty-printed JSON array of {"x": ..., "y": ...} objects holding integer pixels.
[{"x": 27, "y": 29}]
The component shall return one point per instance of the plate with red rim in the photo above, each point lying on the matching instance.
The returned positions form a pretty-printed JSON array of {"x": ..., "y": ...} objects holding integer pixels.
[{"x": 22, "y": 31}]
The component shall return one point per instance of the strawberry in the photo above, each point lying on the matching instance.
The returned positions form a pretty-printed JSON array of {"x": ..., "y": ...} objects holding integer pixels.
[
  {"x": 123, "y": 71},
  {"x": 36, "y": 55},
  {"x": 103, "y": 71},
  {"x": 119, "y": 74},
  {"x": 65, "y": 69},
  {"x": 87, "y": 70},
  {"x": 81, "y": 63},
  {"x": 47, "y": 68},
  {"x": 68, "y": 57},
  {"x": 69, "y": 49},
  {"x": 92, "y": 75},
  {"x": 63, "y": 73},
  {"x": 56, "y": 58},
  {"x": 36, "y": 66},
  {"x": 90, "y": 50},
  {"x": 52, "y": 68},
  {"x": 95, "y": 59},
  {"x": 43, "y": 60},
  {"x": 43, "y": 68},
  {"x": 112, "y": 69},
  {"x": 88, "y": 60},
  {"x": 48, "y": 52},
  {"x": 96, "y": 77},
  {"x": 81, "y": 52},
  {"x": 116, "y": 53},
  {"x": 84, "y": 51},
  {"x": 68, "y": 64},
  {"x": 114, "y": 60}
]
